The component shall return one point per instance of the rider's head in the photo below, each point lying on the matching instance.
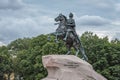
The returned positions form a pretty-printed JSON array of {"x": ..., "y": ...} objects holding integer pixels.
[
  {"x": 60, "y": 14},
  {"x": 71, "y": 15}
]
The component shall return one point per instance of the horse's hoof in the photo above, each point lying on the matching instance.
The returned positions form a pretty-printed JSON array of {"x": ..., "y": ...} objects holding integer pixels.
[{"x": 83, "y": 59}]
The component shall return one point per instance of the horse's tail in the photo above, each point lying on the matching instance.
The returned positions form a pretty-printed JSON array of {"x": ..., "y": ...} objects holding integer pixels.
[{"x": 83, "y": 51}]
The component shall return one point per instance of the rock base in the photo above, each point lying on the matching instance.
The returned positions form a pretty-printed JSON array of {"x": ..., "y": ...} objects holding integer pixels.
[{"x": 69, "y": 67}]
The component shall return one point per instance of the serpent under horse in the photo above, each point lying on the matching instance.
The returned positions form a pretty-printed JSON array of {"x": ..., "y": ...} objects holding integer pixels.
[{"x": 70, "y": 41}]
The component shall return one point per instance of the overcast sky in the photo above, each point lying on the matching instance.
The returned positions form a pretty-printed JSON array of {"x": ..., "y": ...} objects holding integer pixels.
[{"x": 30, "y": 18}]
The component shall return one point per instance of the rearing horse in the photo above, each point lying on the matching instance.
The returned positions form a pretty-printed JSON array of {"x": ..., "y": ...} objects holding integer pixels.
[{"x": 70, "y": 41}]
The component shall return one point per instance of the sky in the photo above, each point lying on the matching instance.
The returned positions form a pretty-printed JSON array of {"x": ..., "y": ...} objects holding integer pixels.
[{"x": 30, "y": 18}]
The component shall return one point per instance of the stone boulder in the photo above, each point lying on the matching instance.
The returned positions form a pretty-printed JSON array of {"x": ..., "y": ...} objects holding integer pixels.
[{"x": 69, "y": 67}]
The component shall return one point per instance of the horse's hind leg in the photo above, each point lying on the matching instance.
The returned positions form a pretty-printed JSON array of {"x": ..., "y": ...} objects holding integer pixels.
[
  {"x": 68, "y": 47},
  {"x": 68, "y": 52},
  {"x": 77, "y": 50},
  {"x": 75, "y": 45}
]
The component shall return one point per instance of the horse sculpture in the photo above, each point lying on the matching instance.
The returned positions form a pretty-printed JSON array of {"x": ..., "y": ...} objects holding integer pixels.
[{"x": 70, "y": 41}]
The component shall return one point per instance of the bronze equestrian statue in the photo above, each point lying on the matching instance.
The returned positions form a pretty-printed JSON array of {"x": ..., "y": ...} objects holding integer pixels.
[{"x": 66, "y": 32}]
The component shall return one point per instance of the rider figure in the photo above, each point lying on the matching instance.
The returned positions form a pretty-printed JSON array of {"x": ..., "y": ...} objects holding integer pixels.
[{"x": 71, "y": 27}]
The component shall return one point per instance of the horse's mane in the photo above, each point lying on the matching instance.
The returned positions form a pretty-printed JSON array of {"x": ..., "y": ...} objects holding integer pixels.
[{"x": 65, "y": 18}]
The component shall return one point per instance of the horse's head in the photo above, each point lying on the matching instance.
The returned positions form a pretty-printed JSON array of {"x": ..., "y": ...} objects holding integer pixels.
[
  {"x": 60, "y": 17},
  {"x": 62, "y": 23}
]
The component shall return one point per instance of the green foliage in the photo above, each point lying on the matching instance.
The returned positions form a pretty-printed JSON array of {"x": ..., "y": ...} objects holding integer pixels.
[
  {"x": 24, "y": 56},
  {"x": 20, "y": 44},
  {"x": 103, "y": 55},
  {"x": 6, "y": 65}
]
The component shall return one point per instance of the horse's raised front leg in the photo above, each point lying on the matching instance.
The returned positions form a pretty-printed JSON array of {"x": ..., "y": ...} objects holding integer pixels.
[
  {"x": 56, "y": 37},
  {"x": 54, "y": 34}
]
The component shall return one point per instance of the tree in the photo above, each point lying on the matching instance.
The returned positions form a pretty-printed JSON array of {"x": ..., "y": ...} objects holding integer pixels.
[
  {"x": 6, "y": 65},
  {"x": 102, "y": 54}
]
